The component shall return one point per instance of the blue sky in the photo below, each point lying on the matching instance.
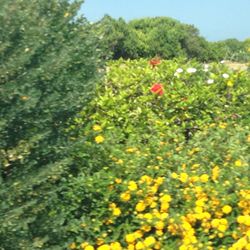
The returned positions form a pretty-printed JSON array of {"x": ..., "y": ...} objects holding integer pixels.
[{"x": 216, "y": 19}]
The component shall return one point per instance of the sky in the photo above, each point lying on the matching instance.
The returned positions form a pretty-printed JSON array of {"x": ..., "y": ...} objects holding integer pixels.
[{"x": 216, "y": 19}]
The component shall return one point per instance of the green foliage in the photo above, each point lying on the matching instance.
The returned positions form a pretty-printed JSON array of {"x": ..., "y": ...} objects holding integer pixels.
[
  {"x": 118, "y": 38},
  {"x": 162, "y": 159},
  {"x": 232, "y": 49},
  {"x": 148, "y": 37},
  {"x": 190, "y": 143},
  {"x": 189, "y": 100},
  {"x": 67, "y": 157},
  {"x": 48, "y": 70},
  {"x": 167, "y": 38}
]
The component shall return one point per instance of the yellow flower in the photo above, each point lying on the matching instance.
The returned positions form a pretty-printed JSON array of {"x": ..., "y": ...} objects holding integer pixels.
[
  {"x": 112, "y": 205},
  {"x": 159, "y": 225},
  {"x": 215, "y": 173},
  {"x": 174, "y": 175},
  {"x": 130, "y": 238},
  {"x": 195, "y": 166},
  {"x": 132, "y": 186},
  {"x": 164, "y": 207},
  {"x": 223, "y": 221},
  {"x": 198, "y": 210},
  {"x": 248, "y": 138},
  {"x": 118, "y": 180},
  {"x": 131, "y": 150},
  {"x": 146, "y": 228},
  {"x": 149, "y": 241},
  {"x": 157, "y": 245},
  {"x": 215, "y": 223},
  {"x": 200, "y": 203},
  {"x": 138, "y": 234},
  {"x": 146, "y": 178},
  {"x": 99, "y": 241},
  {"x": 165, "y": 198},
  {"x": 230, "y": 84},
  {"x": 140, "y": 206},
  {"x": 120, "y": 161},
  {"x": 99, "y": 139},
  {"x": 183, "y": 247},
  {"x": 222, "y": 228},
  {"x": 84, "y": 244},
  {"x": 104, "y": 247},
  {"x": 183, "y": 177},
  {"x": 194, "y": 178},
  {"x": 125, "y": 196},
  {"x": 163, "y": 216},
  {"x": 238, "y": 163},
  {"x": 139, "y": 245},
  {"x": 153, "y": 204},
  {"x": 244, "y": 219},
  {"x": 97, "y": 128},
  {"x": 227, "y": 209},
  {"x": 88, "y": 248},
  {"x": 72, "y": 245},
  {"x": 116, "y": 211},
  {"x": 152, "y": 190},
  {"x": 131, "y": 247},
  {"x": 159, "y": 180},
  {"x": 148, "y": 216},
  {"x": 115, "y": 246},
  {"x": 204, "y": 178},
  {"x": 159, "y": 158},
  {"x": 222, "y": 125},
  {"x": 207, "y": 215}
]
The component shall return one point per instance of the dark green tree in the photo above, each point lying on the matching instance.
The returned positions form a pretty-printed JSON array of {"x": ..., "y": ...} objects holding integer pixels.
[
  {"x": 161, "y": 36},
  {"x": 49, "y": 58},
  {"x": 149, "y": 37},
  {"x": 119, "y": 39},
  {"x": 194, "y": 45}
]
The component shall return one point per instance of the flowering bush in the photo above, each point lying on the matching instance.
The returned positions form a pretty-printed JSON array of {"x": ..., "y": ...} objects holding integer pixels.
[{"x": 170, "y": 171}]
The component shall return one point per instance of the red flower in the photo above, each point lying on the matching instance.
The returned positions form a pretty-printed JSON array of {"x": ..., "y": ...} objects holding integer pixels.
[
  {"x": 155, "y": 61},
  {"x": 157, "y": 88}
]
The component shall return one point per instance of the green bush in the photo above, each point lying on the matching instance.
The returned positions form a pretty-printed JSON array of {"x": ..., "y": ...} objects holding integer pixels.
[{"x": 189, "y": 145}]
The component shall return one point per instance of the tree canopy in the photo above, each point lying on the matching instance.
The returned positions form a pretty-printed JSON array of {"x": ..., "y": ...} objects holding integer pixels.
[{"x": 164, "y": 37}]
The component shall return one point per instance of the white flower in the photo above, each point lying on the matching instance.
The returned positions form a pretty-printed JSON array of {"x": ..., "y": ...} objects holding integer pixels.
[
  {"x": 206, "y": 66},
  {"x": 225, "y": 75},
  {"x": 222, "y": 61},
  {"x": 191, "y": 70},
  {"x": 210, "y": 81},
  {"x": 179, "y": 70}
]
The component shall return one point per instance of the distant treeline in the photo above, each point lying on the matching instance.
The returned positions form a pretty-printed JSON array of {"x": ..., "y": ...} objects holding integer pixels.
[{"x": 167, "y": 38}]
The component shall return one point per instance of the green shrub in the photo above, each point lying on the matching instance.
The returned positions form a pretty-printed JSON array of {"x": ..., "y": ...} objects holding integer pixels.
[{"x": 189, "y": 145}]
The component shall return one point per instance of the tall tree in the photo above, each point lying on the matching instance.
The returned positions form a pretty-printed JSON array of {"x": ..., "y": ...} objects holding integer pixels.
[{"x": 48, "y": 66}]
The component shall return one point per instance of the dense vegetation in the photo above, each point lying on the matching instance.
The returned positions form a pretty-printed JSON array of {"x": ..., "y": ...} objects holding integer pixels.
[
  {"x": 167, "y": 38},
  {"x": 170, "y": 166},
  {"x": 120, "y": 154},
  {"x": 48, "y": 69}
]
